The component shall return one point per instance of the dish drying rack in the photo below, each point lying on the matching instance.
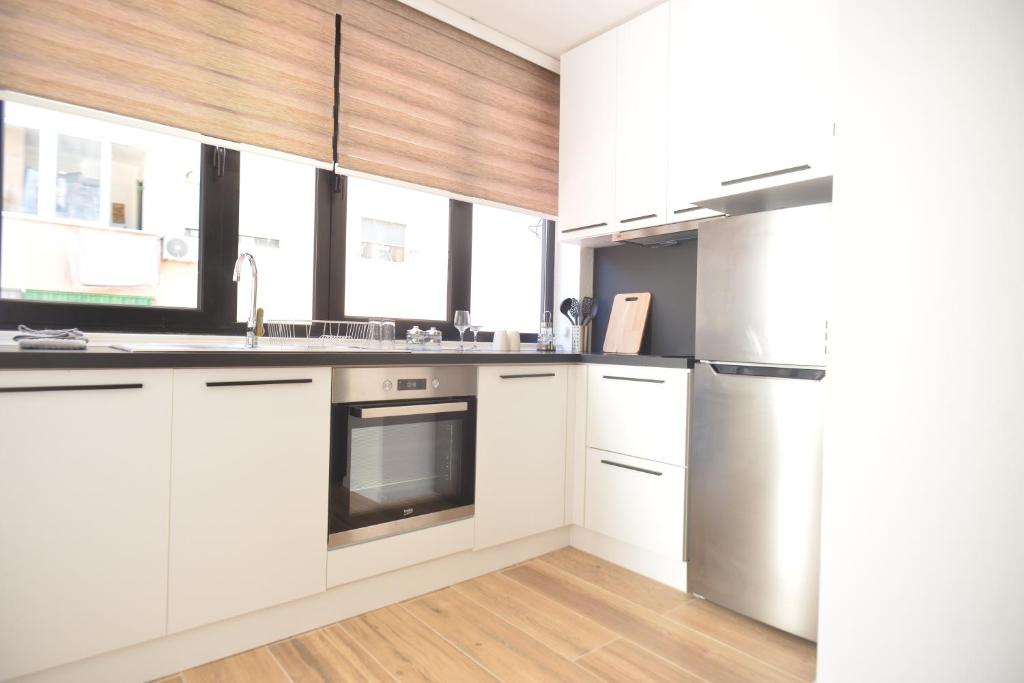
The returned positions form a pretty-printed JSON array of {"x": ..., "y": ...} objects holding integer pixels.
[{"x": 317, "y": 332}]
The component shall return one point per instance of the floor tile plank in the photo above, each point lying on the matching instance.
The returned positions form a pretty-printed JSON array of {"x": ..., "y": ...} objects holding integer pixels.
[
  {"x": 780, "y": 649},
  {"x": 410, "y": 651},
  {"x": 688, "y": 649},
  {"x": 625, "y": 661},
  {"x": 564, "y": 631},
  {"x": 501, "y": 648},
  {"x": 327, "y": 655},
  {"x": 254, "y": 666},
  {"x": 618, "y": 580}
]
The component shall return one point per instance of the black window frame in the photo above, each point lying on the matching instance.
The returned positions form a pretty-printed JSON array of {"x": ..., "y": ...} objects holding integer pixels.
[
  {"x": 216, "y": 293},
  {"x": 217, "y": 296},
  {"x": 460, "y": 264}
]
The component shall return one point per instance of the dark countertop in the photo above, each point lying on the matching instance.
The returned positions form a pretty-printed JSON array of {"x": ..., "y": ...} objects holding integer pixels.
[
  {"x": 648, "y": 361},
  {"x": 97, "y": 356}
]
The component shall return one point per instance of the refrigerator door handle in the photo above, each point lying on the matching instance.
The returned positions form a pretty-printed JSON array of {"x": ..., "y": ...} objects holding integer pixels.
[{"x": 812, "y": 374}]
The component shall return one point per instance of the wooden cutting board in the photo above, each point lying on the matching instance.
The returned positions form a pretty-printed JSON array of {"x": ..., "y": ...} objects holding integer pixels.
[{"x": 627, "y": 322}]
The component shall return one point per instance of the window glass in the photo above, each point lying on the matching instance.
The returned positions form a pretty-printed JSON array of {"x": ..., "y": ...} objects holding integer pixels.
[
  {"x": 21, "y": 169},
  {"x": 97, "y": 212},
  {"x": 78, "y": 178},
  {"x": 276, "y": 224},
  {"x": 396, "y": 255},
  {"x": 507, "y": 269}
]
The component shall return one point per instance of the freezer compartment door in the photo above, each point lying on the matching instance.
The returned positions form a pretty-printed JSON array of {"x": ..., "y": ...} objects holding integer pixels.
[
  {"x": 761, "y": 287},
  {"x": 755, "y": 492}
]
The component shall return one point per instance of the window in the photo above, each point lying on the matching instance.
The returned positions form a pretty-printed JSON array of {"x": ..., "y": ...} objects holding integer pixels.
[
  {"x": 109, "y": 224},
  {"x": 21, "y": 170},
  {"x": 97, "y": 212},
  {"x": 396, "y": 252},
  {"x": 507, "y": 269},
  {"x": 276, "y": 224}
]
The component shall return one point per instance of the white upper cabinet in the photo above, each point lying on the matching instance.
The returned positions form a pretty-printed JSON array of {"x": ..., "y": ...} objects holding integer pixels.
[
  {"x": 641, "y": 97},
  {"x": 521, "y": 446},
  {"x": 586, "y": 171},
  {"x": 249, "y": 473},
  {"x": 85, "y": 458},
  {"x": 751, "y": 96}
]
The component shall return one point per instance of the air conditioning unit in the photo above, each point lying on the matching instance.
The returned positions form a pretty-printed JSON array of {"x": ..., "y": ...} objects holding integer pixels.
[{"x": 180, "y": 248}]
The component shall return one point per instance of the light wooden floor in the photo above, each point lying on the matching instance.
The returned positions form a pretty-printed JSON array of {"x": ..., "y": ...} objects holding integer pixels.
[{"x": 567, "y": 616}]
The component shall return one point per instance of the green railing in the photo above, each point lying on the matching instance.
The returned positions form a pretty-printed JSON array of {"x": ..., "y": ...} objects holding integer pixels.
[{"x": 86, "y": 298}]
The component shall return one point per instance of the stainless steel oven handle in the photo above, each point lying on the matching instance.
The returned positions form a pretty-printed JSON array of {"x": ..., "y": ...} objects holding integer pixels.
[{"x": 402, "y": 411}]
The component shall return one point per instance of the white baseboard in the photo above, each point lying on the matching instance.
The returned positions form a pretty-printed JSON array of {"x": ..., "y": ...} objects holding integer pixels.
[
  {"x": 658, "y": 567},
  {"x": 173, "y": 653}
]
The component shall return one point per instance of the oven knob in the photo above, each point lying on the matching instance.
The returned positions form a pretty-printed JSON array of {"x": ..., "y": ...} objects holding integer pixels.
[
  {"x": 388, "y": 385},
  {"x": 435, "y": 383}
]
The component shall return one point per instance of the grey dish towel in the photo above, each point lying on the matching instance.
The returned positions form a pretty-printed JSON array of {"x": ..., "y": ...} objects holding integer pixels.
[{"x": 67, "y": 340}]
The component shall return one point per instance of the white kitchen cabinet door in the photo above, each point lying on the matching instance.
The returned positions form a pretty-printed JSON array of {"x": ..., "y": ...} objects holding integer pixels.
[
  {"x": 639, "y": 411},
  {"x": 642, "y": 120},
  {"x": 249, "y": 478},
  {"x": 639, "y": 502},
  {"x": 85, "y": 461},
  {"x": 586, "y": 166},
  {"x": 520, "y": 452},
  {"x": 751, "y": 96}
]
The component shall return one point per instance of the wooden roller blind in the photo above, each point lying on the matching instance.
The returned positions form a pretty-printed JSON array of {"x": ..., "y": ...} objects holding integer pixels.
[
  {"x": 259, "y": 72},
  {"x": 426, "y": 103}
]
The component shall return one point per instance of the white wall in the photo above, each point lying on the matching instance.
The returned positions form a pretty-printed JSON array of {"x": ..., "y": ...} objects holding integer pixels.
[{"x": 923, "y": 520}]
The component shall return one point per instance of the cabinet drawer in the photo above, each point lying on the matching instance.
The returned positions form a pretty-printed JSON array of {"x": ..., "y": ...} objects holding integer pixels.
[
  {"x": 636, "y": 501},
  {"x": 639, "y": 411}
]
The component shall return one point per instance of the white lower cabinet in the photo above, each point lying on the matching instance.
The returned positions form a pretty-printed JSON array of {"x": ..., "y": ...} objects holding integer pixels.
[
  {"x": 520, "y": 454},
  {"x": 85, "y": 462},
  {"x": 249, "y": 475},
  {"x": 639, "y": 411},
  {"x": 636, "y": 501}
]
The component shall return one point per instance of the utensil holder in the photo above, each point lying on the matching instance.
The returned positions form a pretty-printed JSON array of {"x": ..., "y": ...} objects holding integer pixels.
[{"x": 577, "y": 339}]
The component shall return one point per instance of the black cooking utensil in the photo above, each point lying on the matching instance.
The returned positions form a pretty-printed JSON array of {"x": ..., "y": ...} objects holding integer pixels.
[
  {"x": 565, "y": 307},
  {"x": 586, "y": 306},
  {"x": 594, "y": 308},
  {"x": 574, "y": 312}
]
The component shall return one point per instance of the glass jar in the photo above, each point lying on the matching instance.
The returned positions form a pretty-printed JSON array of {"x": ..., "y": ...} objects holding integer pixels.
[{"x": 432, "y": 338}]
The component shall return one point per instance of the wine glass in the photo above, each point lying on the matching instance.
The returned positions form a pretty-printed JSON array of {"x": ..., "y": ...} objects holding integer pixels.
[
  {"x": 461, "y": 324},
  {"x": 475, "y": 329}
]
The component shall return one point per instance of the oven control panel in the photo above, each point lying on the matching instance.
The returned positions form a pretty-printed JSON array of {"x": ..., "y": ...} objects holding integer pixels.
[{"x": 353, "y": 385}]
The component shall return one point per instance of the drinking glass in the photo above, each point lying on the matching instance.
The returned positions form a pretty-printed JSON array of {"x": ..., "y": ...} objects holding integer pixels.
[
  {"x": 461, "y": 324},
  {"x": 475, "y": 329},
  {"x": 387, "y": 333}
]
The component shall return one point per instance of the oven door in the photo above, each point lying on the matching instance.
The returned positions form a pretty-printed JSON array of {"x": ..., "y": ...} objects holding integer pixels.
[{"x": 400, "y": 465}]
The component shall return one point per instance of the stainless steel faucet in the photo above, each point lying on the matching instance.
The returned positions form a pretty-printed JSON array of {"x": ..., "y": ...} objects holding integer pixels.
[{"x": 250, "y": 327}]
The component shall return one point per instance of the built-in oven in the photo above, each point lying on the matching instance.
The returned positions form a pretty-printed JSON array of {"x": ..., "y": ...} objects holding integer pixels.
[{"x": 403, "y": 450}]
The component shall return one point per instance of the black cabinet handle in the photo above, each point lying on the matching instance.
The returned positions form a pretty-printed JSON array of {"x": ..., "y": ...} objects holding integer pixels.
[
  {"x": 769, "y": 174},
  {"x": 72, "y": 387},
  {"x": 259, "y": 382},
  {"x": 635, "y": 379},
  {"x": 687, "y": 210},
  {"x": 630, "y": 467},
  {"x": 536, "y": 374},
  {"x": 585, "y": 227},
  {"x": 638, "y": 218}
]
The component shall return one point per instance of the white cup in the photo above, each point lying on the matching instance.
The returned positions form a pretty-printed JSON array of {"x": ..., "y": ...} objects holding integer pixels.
[
  {"x": 500, "y": 342},
  {"x": 513, "y": 340}
]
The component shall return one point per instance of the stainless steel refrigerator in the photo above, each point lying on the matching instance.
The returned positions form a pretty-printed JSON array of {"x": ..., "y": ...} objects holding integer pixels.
[{"x": 754, "y": 496}]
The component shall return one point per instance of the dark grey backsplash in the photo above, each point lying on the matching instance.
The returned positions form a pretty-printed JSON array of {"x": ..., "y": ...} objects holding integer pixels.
[{"x": 669, "y": 274}]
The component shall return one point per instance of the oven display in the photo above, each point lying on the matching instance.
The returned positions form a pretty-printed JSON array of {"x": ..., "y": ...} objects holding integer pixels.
[{"x": 412, "y": 385}]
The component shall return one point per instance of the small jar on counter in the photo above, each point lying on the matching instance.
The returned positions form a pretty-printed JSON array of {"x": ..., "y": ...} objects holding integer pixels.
[
  {"x": 432, "y": 338},
  {"x": 415, "y": 336}
]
